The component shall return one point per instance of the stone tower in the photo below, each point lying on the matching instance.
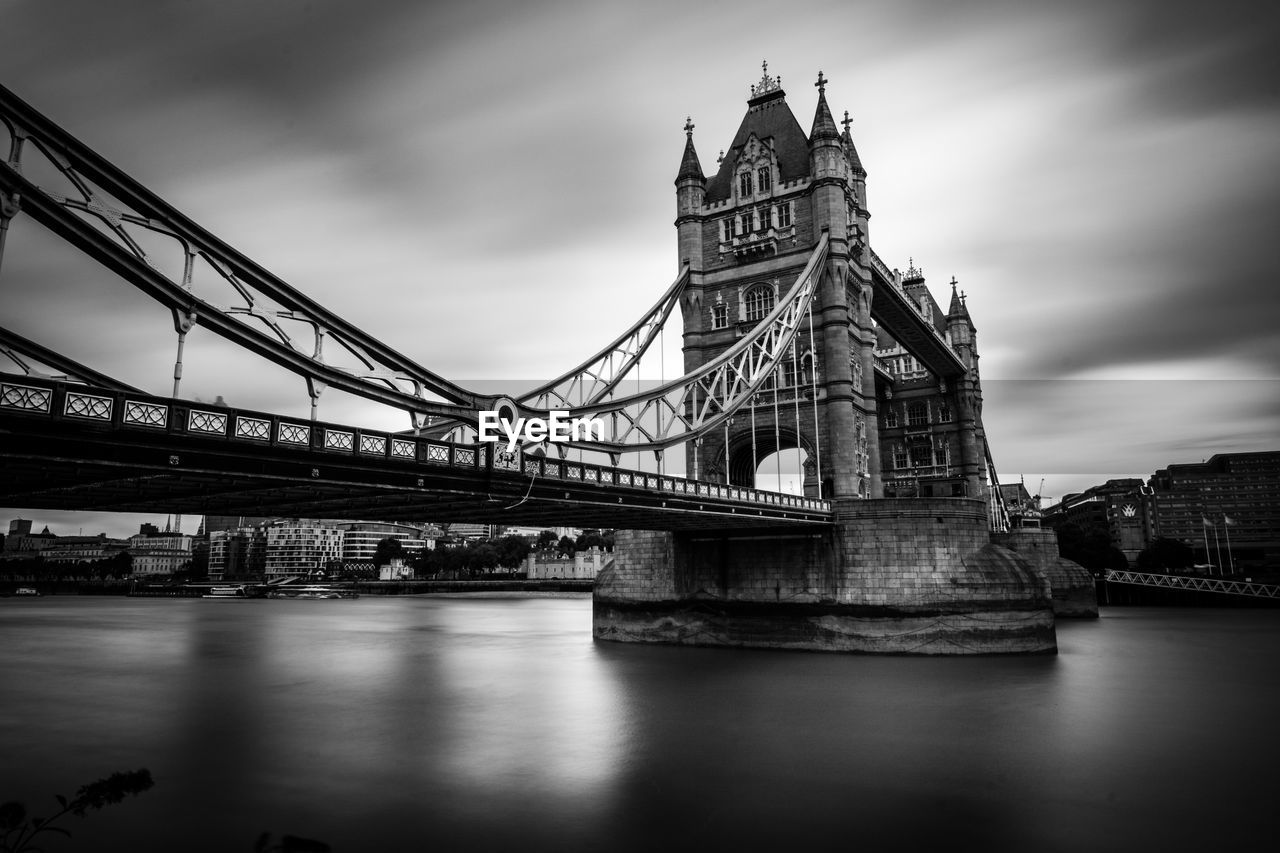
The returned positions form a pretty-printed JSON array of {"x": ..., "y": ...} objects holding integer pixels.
[
  {"x": 746, "y": 233},
  {"x": 888, "y": 413}
]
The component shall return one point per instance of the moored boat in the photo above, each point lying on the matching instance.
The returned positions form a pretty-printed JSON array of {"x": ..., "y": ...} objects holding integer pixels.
[
  {"x": 226, "y": 592},
  {"x": 312, "y": 592}
]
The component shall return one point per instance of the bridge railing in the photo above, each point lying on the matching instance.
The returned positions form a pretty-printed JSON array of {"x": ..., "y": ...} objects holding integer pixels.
[
  {"x": 99, "y": 409},
  {"x": 1222, "y": 585}
]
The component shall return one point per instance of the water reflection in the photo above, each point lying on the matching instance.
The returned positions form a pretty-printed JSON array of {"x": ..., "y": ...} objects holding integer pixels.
[{"x": 456, "y": 723}]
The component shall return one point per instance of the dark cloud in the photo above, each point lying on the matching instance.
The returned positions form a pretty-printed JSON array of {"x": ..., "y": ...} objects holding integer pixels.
[
  {"x": 487, "y": 186},
  {"x": 1209, "y": 56}
]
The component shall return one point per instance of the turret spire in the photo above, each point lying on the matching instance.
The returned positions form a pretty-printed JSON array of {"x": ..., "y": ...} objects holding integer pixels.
[
  {"x": 957, "y": 309},
  {"x": 824, "y": 126},
  {"x": 689, "y": 165}
]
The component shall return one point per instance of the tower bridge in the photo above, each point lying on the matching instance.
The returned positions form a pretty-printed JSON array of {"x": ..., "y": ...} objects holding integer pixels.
[{"x": 796, "y": 336}]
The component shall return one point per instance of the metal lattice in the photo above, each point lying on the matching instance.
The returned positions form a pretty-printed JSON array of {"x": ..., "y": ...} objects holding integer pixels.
[{"x": 116, "y": 220}]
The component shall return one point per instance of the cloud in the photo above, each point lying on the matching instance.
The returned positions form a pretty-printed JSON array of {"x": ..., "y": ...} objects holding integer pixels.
[{"x": 487, "y": 187}]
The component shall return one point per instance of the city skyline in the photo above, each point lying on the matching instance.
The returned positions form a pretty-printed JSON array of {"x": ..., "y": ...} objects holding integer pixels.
[{"x": 489, "y": 190}]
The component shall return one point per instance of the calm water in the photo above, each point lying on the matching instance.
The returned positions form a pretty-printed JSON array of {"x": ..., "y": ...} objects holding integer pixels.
[{"x": 412, "y": 724}]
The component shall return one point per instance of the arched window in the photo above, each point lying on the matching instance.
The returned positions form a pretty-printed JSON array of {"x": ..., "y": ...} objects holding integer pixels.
[
  {"x": 891, "y": 417},
  {"x": 759, "y": 302},
  {"x": 744, "y": 184},
  {"x": 917, "y": 414},
  {"x": 764, "y": 178},
  {"x": 944, "y": 413},
  {"x": 807, "y": 373},
  {"x": 899, "y": 456},
  {"x": 719, "y": 315}
]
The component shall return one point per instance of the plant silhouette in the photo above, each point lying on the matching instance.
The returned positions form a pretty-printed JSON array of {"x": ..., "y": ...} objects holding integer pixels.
[{"x": 17, "y": 831}]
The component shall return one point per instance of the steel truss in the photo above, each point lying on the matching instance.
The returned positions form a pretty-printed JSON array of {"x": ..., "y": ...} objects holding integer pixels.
[
  {"x": 108, "y": 218},
  {"x": 114, "y": 219},
  {"x": 597, "y": 377},
  {"x": 24, "y": 351},
  {"x": 699, "y": 402},
  {"x": 1255, "y": 590}
]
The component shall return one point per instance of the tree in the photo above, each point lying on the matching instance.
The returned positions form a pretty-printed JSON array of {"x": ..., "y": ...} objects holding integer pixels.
[
  {"x": 589, "y": 538},
  {"x": 546, "y": 540},
  {"x": 387, "y": 550},
  {"x": 512, "y": 551},
  {"x": 566, "y": 546},
  {"x": 1090, "y": 547},
  {"x": 483, "y": 557},
  {"x": 1163, "y": 554}
]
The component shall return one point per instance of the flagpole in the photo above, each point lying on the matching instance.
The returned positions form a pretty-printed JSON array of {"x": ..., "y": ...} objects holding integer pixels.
[
  {"x": 1226, "y": 526},
  {"x": 1204, "y": 531},
  {"x": 1217, "y": 545}
]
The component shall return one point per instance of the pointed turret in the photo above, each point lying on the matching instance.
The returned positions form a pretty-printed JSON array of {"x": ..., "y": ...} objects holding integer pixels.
[
  {"x": 690, "y": 168},
  {"x": 846, "y": 139},
  {"x": 824, "y": 126},
  {"x": 828, "y": 167},
  {"x": 691, "y": 191},
  {"x": 957, "y": 307},
  {"x": 960, "y": 331}
]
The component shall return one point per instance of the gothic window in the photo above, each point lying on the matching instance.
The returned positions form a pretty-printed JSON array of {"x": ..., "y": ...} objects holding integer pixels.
[
  {"x": 944, "y": 413},
  {"x": 784, "y": 215},
  {"x": 921, "y": 454},
  {"x": 759, "y": 302},
  {"x": 744, "y": 184},
  {"x": 808, "y": 374},
  {"x": 917, "y": 414},
  {"x": 727, "y": 225},
  {"x": 891, "y": 418},
  {"x": 789, "y": 374},
  {"x": 762, "y": 216},
  {"x": 940, "y": 454},
  {"x": 764, "y": 178},
  {"x": 899, "y": 456},
  {"x": 719, "y": 315},
  {"x": 744, "y": 224}
]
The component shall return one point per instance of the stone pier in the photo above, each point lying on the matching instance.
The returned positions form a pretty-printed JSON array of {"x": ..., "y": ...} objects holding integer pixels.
[
  {"x": 1074, "y": 591},
  {"x": 891, "y": 576}
]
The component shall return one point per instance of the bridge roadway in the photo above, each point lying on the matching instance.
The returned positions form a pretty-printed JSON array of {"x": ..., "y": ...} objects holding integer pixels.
[{"x": 78, "y": 447}]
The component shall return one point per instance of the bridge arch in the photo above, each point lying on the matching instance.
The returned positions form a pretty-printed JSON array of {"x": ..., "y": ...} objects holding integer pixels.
[{"x": 745, "y": 460}]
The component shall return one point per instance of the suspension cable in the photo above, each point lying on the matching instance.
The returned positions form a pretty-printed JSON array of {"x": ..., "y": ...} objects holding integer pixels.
[
  {"x": 795, "y": 395},
  {"x": 777, "y": 437},
  {"x": 726, "y": 450},
  {"x": 813, "y": 382},
  {"x": 755, "y": 462}
]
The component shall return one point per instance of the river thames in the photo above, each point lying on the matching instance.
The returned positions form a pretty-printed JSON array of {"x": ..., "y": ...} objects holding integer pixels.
[{"x": 460, "y": 723}]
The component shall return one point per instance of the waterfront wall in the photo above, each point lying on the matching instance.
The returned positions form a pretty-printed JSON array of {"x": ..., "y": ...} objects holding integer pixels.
[{"x": 895, "y": 576}]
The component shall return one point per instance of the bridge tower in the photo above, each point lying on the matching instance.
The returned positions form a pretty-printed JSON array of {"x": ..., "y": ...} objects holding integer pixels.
[
  {"x": 745, "y": 234},
  {"x": 889, "y": 422}
]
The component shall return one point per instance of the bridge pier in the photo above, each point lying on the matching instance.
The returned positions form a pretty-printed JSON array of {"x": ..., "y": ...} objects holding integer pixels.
[
  {"x": 892, "y": 576},
  {"x": 1073, "y": 586}
]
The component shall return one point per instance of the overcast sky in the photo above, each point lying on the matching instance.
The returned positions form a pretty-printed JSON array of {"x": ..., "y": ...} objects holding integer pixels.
[{"x": 488, "y": 187}]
